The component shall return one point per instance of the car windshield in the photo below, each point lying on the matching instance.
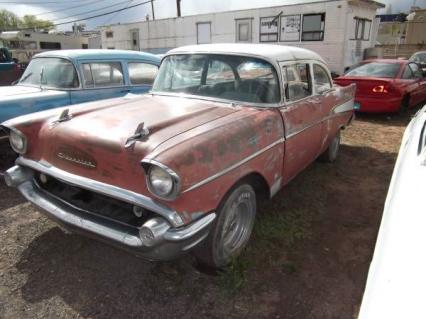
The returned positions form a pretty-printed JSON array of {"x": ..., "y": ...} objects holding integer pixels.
[
  {"x": 376, "y": 69},
  {"x": 419, "y": 57},
  {"x": 50, "y": 72},
  {"x": 235, "y": 78}
]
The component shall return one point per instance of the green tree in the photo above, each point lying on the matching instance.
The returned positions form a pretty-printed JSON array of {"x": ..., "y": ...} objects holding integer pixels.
[
  {"x": 8, "y": 20},
  {"x": 31, "y": 22}
]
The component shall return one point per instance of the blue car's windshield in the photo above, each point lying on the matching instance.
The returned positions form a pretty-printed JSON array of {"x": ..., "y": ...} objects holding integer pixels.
[{"x": 50, "y": 72}]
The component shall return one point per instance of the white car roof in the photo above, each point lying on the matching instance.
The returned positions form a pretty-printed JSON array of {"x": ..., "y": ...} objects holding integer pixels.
[{"x": 270, "y": 52}]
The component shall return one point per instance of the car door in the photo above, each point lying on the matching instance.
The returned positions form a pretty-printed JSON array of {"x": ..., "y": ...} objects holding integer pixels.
[
  {"x": 420, "y": 88},
  {"x": 141, "y": 76},
  {"x": 100, "y": 80},
  {"x": 302, "y": 115},
  {"x": 329, "y": 98}
]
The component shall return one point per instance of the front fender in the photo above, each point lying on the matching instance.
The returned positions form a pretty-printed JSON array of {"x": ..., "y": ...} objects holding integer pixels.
[{"x": 211, "y": 159}]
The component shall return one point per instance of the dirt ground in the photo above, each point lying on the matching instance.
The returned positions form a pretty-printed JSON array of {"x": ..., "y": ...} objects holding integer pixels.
[{"x": 308, "y": 257}]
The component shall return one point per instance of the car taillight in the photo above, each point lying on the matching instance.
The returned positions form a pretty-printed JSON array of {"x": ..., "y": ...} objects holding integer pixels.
[{"x": 380, "y": 89}]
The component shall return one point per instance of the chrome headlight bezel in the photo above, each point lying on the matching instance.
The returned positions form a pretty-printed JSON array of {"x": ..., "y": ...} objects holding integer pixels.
[
  {"x": 150, "y": 167},
  {"x": 14, "y": 136}
]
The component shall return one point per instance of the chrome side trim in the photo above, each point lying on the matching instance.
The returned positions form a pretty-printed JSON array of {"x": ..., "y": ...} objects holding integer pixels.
[
  {"x": 233, "y": 166},
  {"x": 341, "y": 108},
  {"x": 106, "y": 189},
  {"x": 344, "y": 107}
]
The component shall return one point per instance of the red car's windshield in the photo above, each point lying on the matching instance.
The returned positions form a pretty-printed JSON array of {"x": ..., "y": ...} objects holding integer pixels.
[{"x": 376, "y": 69}]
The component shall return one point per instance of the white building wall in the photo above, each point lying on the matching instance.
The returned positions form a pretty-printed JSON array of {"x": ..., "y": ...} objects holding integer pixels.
[
  {"x": 365, "y": 11},
  {"x": 161, "y": 35}
]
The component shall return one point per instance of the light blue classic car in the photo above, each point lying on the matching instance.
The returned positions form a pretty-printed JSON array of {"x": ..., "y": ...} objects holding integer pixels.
[{"x": 58, "y": 78}]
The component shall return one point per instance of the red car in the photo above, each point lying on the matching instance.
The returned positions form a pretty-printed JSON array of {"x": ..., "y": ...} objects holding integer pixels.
[
  {"x": 178, "y": 169},
  {"x": 386, "y": 85}
]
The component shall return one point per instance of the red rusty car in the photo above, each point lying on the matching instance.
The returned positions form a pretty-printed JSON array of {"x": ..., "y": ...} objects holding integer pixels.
[
  {"x": 385, "y": 85},
  {"x": 180, "y": 168}
]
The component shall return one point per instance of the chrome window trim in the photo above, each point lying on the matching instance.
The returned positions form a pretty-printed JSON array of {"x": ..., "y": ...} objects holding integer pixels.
[
  {"x": 123, "y": 71},
  {"x": 105, "y": 189},
  {"x": 233, "y": 166}
]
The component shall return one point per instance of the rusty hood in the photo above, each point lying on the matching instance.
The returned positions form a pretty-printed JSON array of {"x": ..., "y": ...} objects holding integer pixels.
[{"x": 94, "y": 139}]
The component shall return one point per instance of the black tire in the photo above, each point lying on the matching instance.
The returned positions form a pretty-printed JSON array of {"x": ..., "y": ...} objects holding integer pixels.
[
  {"x": 231, "y": 230},
  {"x": 405, "y": 104},
  {"x": 330, "y": 154}
]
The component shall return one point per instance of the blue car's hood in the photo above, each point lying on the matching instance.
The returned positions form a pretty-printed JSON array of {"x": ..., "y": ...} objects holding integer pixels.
[
  {"x": 6, "y": 91},
  {"x": 19, "y": 100}
]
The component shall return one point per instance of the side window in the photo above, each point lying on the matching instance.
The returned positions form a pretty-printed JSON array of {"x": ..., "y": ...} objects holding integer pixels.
[
  {"x": 321, "y": 79},
  {"x": 408, "y": 74},
  {"x": 103, "y": 74},
  {"x": 297, "y": 80},
  {"x": 87, "y": 76},
  {"x": 142, "y": 73},
  {"x": 416, "y": 70},
  {"x": 219, "y": 71}
]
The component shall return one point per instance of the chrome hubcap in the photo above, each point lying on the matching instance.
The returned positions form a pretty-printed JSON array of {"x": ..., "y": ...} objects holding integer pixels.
[{"x": 237, "y": 227}]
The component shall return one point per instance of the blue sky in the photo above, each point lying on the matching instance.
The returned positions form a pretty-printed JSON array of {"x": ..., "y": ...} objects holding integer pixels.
[{"x": 162, "y": 8}]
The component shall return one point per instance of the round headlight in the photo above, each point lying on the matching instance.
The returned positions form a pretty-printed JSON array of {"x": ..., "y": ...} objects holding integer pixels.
[
  {"x": 160, "y": 181},
  {"x": 18, "y": 142}
]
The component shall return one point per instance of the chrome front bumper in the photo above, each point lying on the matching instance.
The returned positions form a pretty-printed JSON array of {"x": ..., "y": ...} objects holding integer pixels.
[{"x": 156, "y": 239}]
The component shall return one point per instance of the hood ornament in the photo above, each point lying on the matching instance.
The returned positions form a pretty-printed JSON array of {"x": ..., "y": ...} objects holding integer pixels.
[
  {"x": 140, "y": 134},
  {"x": 65, "y": 116}
]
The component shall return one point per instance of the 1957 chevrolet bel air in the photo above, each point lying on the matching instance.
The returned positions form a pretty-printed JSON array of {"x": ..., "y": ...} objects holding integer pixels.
[{"x": 180, "y": 168}]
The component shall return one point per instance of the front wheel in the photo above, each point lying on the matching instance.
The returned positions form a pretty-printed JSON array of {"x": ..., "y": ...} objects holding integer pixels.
[
  {"x": 330, "y": 154},
  {"x": 231, "y": 230}
]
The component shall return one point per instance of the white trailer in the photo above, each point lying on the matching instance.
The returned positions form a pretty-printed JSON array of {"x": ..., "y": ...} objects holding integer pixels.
[{"x": 338, "y": 30}]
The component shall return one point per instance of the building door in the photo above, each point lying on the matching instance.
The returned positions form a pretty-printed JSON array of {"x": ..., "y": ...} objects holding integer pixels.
[
  {"x": 135, "y": 40},
  {"x": 203, "y": 32},
  {"x": 243, "y": 30}
]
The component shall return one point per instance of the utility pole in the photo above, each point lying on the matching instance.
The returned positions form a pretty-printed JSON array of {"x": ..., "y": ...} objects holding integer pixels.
[
  {"x": 152, "y": 9},
  {"x": 178, "y": 7}
]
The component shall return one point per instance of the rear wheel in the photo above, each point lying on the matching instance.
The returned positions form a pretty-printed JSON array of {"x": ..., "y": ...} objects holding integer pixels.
[
  {"x": 330, "y": 154},
  {"x": 231, "y": 230}
]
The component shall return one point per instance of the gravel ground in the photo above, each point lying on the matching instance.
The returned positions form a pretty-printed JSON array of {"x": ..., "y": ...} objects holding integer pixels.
[{"x": 308, "y": 257}]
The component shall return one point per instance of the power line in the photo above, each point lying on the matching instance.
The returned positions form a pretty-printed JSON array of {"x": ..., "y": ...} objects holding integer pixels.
[
  {"x": 88, "y": 18},
  {"x": 104, "y": 14},
  {"x": 94, "y": 10},
  {"x": 39, "y": 2},
  {"x": 67, "y": 8},
  {"x": 108, "y": 20}
]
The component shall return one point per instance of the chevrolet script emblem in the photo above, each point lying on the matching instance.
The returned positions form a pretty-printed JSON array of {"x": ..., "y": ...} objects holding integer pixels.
[{"x": 76, "y": 160}]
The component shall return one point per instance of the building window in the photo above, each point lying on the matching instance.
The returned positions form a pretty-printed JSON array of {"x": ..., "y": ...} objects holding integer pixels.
[
  {"x": 84, "y": 46},
  {"x": 269, "y": 29},
  {"x": 109, "y": 34},
  {"x": 50, "y": 45},
  {"x": 362, "y": 29},
  {"x": 290, "y": 28},
  {"x": 313, "y": 27},
  {"x": 243, "y": 30},
  {"x": 142, "y": 73},
  {"x": 203, "y": 32}
]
